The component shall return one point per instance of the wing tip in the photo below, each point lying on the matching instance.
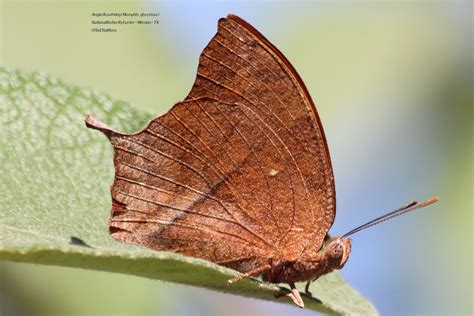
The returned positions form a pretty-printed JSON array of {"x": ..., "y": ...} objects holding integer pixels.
[{"x": 239, "y": 20}]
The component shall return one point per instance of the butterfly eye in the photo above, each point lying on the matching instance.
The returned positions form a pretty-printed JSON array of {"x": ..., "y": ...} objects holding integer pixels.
[{"x": 337, "y": 251}]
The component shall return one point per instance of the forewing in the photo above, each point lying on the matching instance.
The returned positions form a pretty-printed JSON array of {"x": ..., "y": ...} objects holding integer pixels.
[
  {"x": 240, "y": 169},
  {"x": 292, "y": 174}
]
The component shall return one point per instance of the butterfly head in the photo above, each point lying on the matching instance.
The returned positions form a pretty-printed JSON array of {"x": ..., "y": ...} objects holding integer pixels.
[{"x": 337, "y": 250}]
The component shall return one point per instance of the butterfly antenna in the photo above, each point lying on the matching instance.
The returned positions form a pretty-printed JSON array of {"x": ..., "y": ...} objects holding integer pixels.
[{"x": 411, "y": 206}]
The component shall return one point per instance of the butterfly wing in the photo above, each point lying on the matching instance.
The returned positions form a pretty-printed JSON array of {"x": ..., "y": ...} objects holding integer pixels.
[
  {"x": 292, "y": 173},
  {"x": 240, "y": 169}
]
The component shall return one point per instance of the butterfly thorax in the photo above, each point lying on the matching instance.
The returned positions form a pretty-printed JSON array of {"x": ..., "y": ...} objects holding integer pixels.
[{"x": 332, "y": 256}]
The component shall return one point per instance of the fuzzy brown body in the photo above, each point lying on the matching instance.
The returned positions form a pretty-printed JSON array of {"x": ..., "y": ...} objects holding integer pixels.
[
  {"x": 283, "y": 271},
  {"x": 332, "y": 256},
  {"x": 295, "y": 271}
]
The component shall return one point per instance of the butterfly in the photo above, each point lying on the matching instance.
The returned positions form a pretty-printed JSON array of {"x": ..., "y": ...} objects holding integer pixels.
[{"x": 238, "y": 173}]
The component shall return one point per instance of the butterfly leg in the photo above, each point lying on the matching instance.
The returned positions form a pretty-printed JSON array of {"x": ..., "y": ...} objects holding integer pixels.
[
  {"x": 306, "y": 288},
  {"x": 253, "y": 272},
  {"x": 294, "y": 294}
]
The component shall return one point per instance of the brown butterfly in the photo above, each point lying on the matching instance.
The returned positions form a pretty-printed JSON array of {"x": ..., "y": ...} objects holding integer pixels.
[{"x": 238, "y": 173}]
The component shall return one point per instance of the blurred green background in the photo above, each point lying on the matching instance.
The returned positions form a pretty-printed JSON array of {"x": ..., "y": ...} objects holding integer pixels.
[{"x": 393, "y": 85}]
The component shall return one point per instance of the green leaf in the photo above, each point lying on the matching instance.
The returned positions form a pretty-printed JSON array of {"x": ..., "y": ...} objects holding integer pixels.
[{"x": 55, "y": 176}]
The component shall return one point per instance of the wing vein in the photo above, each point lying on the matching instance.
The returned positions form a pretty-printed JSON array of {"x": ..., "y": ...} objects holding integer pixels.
[
  {"x": 227, "y": 141},
  {"x": 199, "y": 228},
  {"x": 222, "y": 174},
  {"x": 203, "y": 194},
  {"x": 154, "y": 188},
  {"x": 175, "y": 208},
  {"x": 259, "y": 163},
  {"x": 167, "y": 156},
  {"x": 243, "y": 78}
]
